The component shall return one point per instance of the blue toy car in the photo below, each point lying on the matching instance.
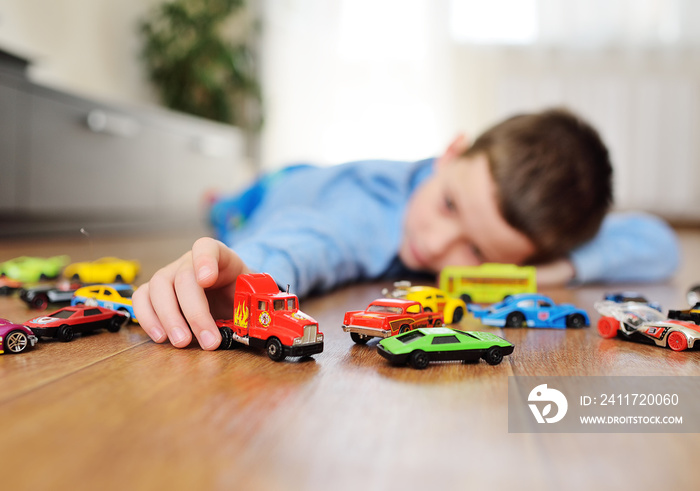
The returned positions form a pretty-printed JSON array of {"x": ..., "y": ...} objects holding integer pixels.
[
  {"x": 622, "y": 297},
  {"x": 532, "y": 310}
]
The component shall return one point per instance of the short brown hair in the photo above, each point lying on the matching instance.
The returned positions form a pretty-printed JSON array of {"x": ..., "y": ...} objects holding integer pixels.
[{"x": 553, "y": 176}]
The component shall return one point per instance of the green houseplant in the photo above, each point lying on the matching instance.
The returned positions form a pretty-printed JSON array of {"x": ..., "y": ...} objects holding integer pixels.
[{"x": 196, "y": 68}]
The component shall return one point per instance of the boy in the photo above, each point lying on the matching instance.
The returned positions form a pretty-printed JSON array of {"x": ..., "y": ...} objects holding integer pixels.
[{"x": 531, "y": 189}]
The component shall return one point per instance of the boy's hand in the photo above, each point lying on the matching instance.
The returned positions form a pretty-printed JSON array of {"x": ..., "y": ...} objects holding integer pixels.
[{"x": 186, "y": 295}]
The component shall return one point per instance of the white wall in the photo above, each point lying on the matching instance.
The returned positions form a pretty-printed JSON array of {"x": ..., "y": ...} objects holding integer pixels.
[{"x": 89, "y": 47}]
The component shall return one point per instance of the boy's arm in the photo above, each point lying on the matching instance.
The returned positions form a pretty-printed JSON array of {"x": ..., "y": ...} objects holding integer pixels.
[
  {"x": 629, "y": 247},
  {"x": 316, "y": 250}
]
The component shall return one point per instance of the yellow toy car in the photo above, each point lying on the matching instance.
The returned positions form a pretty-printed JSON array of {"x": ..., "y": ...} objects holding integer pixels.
[
  {"x": 115, "y": 297},
  {"x": 104, "y": 270},
  {"x": 432, "y": 299}
]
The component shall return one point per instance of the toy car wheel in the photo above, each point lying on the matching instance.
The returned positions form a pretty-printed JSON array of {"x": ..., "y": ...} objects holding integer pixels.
[
  {"x": 466, "y": 298},
  {"x": 419, "y": 360},
  {"x": 437, "y": 323},
  {"x": 677, "y": 341},
  {"x": 65, "y": 334},
  {"x": 274, "y": 350},
  {"x": 457, "y": 315},
  {"x": 515, "y": 319},
  {"x": 115, "y": 323},
  {"x": 16, "y": 342},
  {"x": 608, "y": 326},
  {"x": 404, "y": 328},
  {"x": 575, "y": 321},
  {"x": 359, "y": 338},
  {"x": 75, "y": 277},
  {"x": 494, "y": 355},
  {"x": 226, "y": 338},
  {"x": 40, "y": 302},
  {"x": 119, "y": 278}
]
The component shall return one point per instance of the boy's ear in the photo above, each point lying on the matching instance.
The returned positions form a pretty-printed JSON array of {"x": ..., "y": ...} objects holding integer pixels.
[{"x": 457, "y": 147}]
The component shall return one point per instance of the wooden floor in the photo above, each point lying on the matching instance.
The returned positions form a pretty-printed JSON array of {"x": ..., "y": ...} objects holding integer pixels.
[{"x": 116, "y": 411}]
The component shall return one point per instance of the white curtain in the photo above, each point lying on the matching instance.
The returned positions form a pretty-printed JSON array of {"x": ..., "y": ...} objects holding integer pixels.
[{"x": 353, "y": 79}]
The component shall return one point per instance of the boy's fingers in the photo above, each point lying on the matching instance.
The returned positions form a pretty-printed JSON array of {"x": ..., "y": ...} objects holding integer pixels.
[
  {"x": 215, "y": 264},
  {"x": 166, "y": 306},
  {"x": 148, "y": 320},
  {"x": 195, "y": 307},
  {"x": 205, "y": 260}
]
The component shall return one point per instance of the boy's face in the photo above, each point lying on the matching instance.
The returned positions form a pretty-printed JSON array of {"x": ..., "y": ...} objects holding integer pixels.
[{"x": 453, "y": 219}]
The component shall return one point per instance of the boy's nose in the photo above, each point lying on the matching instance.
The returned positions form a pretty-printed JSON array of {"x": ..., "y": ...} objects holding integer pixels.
[{"x": 442, "y": 240}]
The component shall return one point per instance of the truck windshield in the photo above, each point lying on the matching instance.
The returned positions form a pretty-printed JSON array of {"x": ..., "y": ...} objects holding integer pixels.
[{"x": 284, "y": 304}]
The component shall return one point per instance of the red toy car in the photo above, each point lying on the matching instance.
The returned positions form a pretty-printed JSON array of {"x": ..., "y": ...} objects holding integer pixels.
[
  {"x": 387, "y": 317},
  {"x": 65, "y": 322},
  {"x": 15, "y": 338}
]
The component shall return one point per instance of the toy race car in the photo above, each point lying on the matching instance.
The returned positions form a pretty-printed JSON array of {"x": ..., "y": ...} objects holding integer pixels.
[
  {"x": 387, "y": 317},
  {"x": 421, "y": 346},
  {"x": 432, "y": 299},
  {"x": 39, "y": 297},
  {"x": 531, "y": 310},
  {"x": 104, "y": 270},
  {"x": 622, "y": 297},
  {"x": 641, "y": 323},
  {"x": 32, "y": 269},
  {"x": 66, "y": 322},
  {"x": 115, "y": 297},
  {"x": 15, "y": 338}
]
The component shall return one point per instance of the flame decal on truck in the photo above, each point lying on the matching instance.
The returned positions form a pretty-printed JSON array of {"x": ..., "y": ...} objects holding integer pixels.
[{"x": 240, "y": 317}]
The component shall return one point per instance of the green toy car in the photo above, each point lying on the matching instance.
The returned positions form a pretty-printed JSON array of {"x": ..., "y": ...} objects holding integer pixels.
[
  {"x": 33, "y": 269},
  {"x": 421, "y": 346}
]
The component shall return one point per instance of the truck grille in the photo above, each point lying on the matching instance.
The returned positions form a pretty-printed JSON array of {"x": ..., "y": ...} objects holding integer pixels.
[{"x": 310, "y": 331}]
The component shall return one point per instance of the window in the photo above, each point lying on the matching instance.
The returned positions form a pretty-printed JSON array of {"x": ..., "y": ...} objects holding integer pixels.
[
  {"x": 413, "y": 309},
  {"x": 409, "y": 337},
  {"x": 88, "y": 312},
  {"x": 63, "y": 314},
  {"x": 445, "y": 340},
  {"x": 262, "y": 305},
  {"x": 384, "y": 309}
]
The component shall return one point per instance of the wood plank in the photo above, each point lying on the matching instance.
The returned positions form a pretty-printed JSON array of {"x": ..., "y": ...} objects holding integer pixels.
[{"x": 115, "y": 411}]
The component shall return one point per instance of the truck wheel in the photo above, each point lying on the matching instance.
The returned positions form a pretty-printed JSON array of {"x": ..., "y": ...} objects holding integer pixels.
[
  {"x": 466, "y": 298},
  {"x": 65, "y": 334},
  {"x": 226, "y": 338},
  {"x": 404, "y": 328},
  {"x": 419, "y": 359},
  {"x": 359, "y": 338},
  {"x": 437, "y": 323},
  {"x": 274, "y": 349}
]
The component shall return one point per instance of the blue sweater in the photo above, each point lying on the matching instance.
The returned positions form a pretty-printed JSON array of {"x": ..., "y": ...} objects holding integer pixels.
[{"x": 315, "y": 228}]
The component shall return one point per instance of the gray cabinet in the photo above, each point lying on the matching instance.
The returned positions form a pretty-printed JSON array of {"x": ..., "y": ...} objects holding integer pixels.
[{"x": 66, "y": 160}]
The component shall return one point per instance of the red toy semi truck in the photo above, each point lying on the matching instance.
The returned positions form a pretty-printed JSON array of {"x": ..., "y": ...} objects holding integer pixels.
[{"x": 265, "y": 317}]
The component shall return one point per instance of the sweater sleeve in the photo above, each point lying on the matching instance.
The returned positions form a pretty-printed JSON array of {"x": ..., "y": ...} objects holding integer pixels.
[
  {"x": 313, "y": 250},
  {"x": 630, "y": 247}
]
